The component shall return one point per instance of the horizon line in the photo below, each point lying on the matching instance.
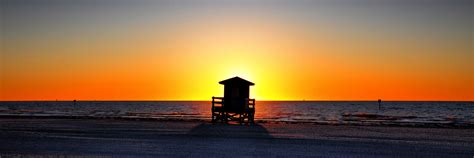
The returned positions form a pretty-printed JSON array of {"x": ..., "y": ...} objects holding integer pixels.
[{"x": 190, "y": 100}]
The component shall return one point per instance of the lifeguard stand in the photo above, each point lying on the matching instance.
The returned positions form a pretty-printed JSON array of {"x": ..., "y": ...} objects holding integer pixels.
[{"x": 236, "y": 104}]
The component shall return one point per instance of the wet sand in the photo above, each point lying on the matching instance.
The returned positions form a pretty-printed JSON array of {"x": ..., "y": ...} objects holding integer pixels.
[{"x": 95, "y": 137}]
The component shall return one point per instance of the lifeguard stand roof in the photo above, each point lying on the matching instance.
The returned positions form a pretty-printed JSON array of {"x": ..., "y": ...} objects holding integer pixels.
[{"x": 236, "y": 80}]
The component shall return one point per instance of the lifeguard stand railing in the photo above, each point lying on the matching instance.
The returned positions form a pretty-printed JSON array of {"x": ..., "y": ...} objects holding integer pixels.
[{"x": 219, "y": 112}]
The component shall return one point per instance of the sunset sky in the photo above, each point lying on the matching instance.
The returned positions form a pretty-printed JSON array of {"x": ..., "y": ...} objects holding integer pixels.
[{"x": 290, "y": 49}]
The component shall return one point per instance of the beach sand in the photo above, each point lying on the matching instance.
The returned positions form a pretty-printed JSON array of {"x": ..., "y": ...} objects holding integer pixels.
[{"x": 106, "y": 137}]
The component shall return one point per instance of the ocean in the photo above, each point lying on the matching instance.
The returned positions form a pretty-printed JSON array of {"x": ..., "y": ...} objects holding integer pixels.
[{"x": 431, "y": 113}]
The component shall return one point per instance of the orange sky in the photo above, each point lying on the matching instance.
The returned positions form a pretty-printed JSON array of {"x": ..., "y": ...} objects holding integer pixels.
[{"x": 183, "y": 56}]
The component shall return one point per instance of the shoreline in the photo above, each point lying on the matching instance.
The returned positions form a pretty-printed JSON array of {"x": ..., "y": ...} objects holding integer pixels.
[{"x": 355, "y": 123}]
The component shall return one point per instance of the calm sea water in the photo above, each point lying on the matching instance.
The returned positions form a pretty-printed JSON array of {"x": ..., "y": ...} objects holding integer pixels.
[{"x": 323, "y": 112}]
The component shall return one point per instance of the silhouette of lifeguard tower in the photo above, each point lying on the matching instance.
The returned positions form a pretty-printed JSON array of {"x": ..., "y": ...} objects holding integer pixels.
[{"x": 236, "y": 104}]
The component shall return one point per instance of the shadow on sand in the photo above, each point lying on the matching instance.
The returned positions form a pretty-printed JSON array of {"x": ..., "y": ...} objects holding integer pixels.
[{"x": 230, "y": 131}]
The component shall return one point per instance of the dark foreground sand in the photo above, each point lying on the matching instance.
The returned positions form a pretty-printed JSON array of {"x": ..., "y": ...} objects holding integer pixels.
[{"x": 88, "y": 137}]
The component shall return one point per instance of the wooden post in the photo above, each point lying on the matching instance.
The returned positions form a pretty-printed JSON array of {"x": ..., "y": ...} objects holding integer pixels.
[{"x": 380, "y": 104}]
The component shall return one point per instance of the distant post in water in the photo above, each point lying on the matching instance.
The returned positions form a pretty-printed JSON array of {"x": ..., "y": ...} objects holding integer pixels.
[{"x": 380, "y": 104}]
